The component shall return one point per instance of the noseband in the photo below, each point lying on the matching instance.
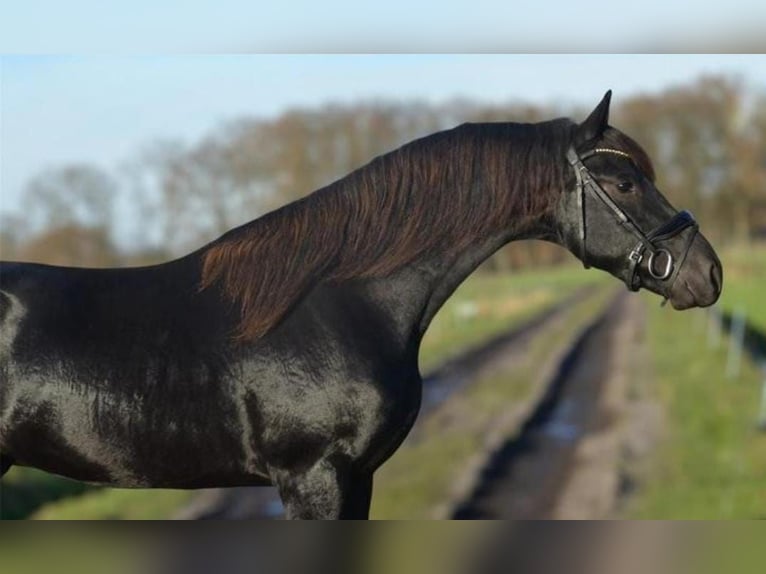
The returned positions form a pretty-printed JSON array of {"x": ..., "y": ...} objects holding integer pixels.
[{"x": 647, "y": 242}]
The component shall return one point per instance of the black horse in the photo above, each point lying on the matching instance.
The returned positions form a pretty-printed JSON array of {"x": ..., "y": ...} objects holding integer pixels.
[{"x": 286, "y": 351}]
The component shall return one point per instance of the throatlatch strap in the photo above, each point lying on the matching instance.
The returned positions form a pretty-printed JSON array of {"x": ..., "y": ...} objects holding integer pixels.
[{"x": 577, "y": 165}]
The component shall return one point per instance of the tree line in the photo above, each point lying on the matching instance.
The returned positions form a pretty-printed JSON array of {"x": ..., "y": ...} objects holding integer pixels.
[{"x": 707, "y": 139}]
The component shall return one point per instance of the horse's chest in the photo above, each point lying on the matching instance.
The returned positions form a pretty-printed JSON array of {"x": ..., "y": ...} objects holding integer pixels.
[
  {"x": 396, "y": 419},
  {"x": 292, "y": 426}
]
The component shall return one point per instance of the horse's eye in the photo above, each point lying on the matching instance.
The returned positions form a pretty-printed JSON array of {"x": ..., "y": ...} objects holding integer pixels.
[{"x": 625, "y": 186}]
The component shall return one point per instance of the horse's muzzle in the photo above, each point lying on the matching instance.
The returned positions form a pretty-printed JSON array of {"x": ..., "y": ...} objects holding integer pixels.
[{"x": 700, "y": 282}]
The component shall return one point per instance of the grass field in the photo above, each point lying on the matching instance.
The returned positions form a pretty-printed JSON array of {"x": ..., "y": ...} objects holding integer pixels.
[
  {"x": 486, "y": 305},
  {"x": 745, "y": 283},
  {"x": 117, "y": 504},
  {"x": 712, "y": 461},
  {"x": 482, "y": 307},
  {"x": 24, "y": 490},
  {"x": 83, "y": 550}
]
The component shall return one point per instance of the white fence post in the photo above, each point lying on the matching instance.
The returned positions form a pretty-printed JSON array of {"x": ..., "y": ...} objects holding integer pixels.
[
  {"x": 714, "y": 328},
  {"x": 762, "y": 414},
  {"x": 736, "y": 343}
]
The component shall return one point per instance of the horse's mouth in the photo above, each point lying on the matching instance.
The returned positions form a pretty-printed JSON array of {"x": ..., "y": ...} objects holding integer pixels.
[
  {"x": 687, "y": 297},
  {"x": 687, "y": 300}
]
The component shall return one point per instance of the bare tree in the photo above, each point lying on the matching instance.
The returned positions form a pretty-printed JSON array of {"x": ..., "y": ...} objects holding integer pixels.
[
  {"x": 73, "y": 194},
  {"x": 12, "y": 235},
  {"x": 707, "y": 143}
]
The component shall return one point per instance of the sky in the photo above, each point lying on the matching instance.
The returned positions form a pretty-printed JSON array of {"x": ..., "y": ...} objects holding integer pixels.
[
  {"x": 93, "y": 81},
  {"x": 104, "y": 110},
  {"x": 184, "y": 26}
]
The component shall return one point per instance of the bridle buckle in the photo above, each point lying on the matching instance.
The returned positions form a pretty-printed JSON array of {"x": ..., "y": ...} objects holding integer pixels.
[{"x": 636, "y": 256}]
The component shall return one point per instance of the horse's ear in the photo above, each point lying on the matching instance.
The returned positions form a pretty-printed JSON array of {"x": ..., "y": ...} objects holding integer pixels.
[{"x": 597, "y": 121}]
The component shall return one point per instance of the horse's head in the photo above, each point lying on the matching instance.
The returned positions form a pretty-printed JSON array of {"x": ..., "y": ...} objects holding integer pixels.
[{"x": 614, "y": 218}]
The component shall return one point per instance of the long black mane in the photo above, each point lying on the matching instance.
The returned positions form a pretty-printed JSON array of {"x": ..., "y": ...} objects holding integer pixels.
[{"x": 433, "y": 194}]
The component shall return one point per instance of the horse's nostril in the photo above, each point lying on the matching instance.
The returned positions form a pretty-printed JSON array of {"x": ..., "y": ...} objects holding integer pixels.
[{"x": 716, "y": 277}]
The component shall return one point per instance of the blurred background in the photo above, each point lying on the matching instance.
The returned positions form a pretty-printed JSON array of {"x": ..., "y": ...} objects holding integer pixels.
[{"x": 550, "y": 393}]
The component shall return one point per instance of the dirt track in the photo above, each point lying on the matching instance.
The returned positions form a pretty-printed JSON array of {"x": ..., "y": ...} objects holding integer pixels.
[{"x": 567, "y": 459}]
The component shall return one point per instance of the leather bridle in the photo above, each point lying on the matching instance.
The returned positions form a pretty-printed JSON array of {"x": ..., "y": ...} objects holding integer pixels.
[{"x": 646, "y": 241}]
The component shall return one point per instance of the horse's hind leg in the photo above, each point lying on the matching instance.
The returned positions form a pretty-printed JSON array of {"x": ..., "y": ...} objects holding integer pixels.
[{"x": 5, "y": 464}]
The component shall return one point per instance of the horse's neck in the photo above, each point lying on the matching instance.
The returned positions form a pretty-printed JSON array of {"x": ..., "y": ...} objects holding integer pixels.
[
  {"x": 415, "y": 294},
  {"x": 453, "y": 271}
]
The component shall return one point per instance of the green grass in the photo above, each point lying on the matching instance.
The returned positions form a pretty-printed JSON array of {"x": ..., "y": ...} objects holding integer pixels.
[
  {"x": 500, "y": 302},
  {"x": 421, "y": 473},
  {"x": 31, "y": 493},
  {"x": 745, "y": 282},
  {"x": 116, "y": 503},
  {"x": 80, "y": 550},
  {"x": 486, "y": 305},
  {"x": 711, "y": 463},
  {"x": 25, "y": 489}
]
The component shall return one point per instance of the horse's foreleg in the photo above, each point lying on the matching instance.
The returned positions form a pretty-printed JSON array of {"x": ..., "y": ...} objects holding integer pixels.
[
  {"x": 326, "y": 492},
  {"x": 5, "y": 464},
  {"x": 358, "y": 498}
]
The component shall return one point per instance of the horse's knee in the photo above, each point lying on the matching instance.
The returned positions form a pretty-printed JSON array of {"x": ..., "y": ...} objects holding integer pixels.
[{"x": 326, "y": 492}]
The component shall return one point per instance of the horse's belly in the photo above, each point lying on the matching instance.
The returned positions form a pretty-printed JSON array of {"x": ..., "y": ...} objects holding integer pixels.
[{"x": 103, "y": 439}]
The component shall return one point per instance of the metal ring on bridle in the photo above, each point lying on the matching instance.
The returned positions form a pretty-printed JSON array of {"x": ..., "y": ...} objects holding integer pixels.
[{"x": 668, "y": 265}]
